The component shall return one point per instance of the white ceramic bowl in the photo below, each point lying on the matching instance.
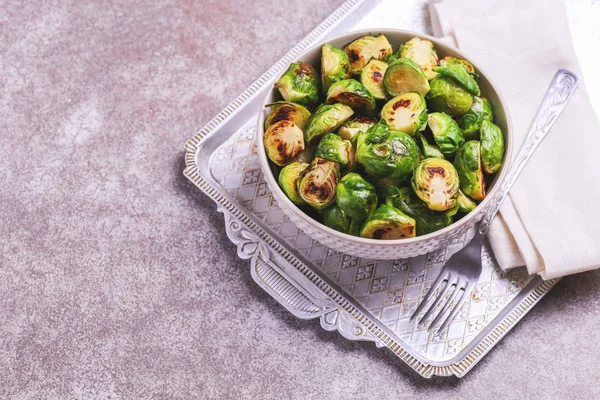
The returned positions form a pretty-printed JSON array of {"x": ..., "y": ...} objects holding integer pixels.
[{"x": 399, "y": 248}]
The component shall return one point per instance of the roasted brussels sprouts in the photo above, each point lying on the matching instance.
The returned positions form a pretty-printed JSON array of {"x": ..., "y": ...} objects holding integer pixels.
[
  {"x": 299, "y": 84},
  {"x": 465, "y": 203},
  {"x": 326, "y": 118},
  {"x": 468, "y": 165},
  {"x": 284, "y": 111},
  {"x": 333, "y": 148},
  {"x": 318, "y": 182},
  {"x": 459, "y": 73},
  {"x": 449, "y": 60},
  {"x": 470, "y": 123},
  {"x": 288, "y": 181},
  {"x": 388, "y": 223},
  {"x": 335, "y": 66},
  {"x": 364, "y": 48},
  {"x": 356, "y": 124},
  {"x": 492, "y": 147},
  {"x": 406, "y": 113},
  {"x": 423, "y": 53},
  {"x": 372, "y": 78},
  {"x": 385, "y": 153},
  {"x": 283, "y": 142},
  {"x": 429, "y": 150},
  {"x": 435, "y": 181},
  {"x": 447, "y": 95},
  {"x": 335, "y": 218},
  {"x": 427, "y": 220},
  {"x": 446, "y": 132},
  {"x": 356, "y": 196},
  {"x": 351, "y": 93},
  {"x": 403, "y": 76}
]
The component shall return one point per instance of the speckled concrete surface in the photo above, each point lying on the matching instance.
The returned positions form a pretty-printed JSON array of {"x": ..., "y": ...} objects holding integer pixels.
[{"x": 109, "y": 257}]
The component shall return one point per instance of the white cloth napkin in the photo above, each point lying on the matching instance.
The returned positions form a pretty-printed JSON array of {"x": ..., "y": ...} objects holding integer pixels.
[{"x": 550, "y": 221}]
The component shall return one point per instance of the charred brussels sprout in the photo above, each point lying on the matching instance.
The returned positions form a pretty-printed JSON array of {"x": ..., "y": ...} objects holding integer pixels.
[
  {"x": 364, "y": 48},
  {"x": 317, "y": 183},
  {"x": 407, "y": 201},
  {"x": 351, "y": 93},
  {"x": 335, "y": 66},
  {"x": 299, "y": 84},
  {"x": 356, "y": 196},
  {"x": 459, "y": 73},
  {"x": 385, "y": 153},
  {"x": 492, "y": 147},
  {"x": 470, "y": 123},
  {"x": 284, "y": 142},
  {"x": 356, "y": 124},
  {"x": 429, "y": 150},
  {"x": 449, "y": 60},
  {"x": 422, "y": 53},
  {"x": 403, "y": 76},
  {"x": 465, "y": 203},
  {"x": 333, "y": 148},
  {"x": 388, "y": 223},
  {"x": 326, "y": 118},
  {"x": 446, "y": 132},
  {"x": 284, "y": 111},
  {"x": 372, "y": 78},
  {"x": 435, "y": 181},
  {"x": 335, "y": 218},
  {"x": 468, "y": 164},
  {"x": 406, "y": 113},
  {"x": 447, "y": 95},
  {"x": 288, "y": 181}
]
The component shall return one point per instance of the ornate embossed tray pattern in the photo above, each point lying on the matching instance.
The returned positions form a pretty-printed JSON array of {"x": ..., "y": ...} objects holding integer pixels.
[{"x": 362, "y": 299}]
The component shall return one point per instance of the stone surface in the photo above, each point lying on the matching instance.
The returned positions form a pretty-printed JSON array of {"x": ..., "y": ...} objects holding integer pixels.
[{"x": 109, "y": 257}]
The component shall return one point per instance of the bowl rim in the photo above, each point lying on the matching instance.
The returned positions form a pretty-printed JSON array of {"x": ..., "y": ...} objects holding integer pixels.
[{"x": 466, "y": 220}]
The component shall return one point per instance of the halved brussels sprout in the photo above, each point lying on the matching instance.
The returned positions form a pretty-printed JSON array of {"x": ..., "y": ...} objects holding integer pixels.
[
  {"x": 429, "y": 150},
  {"x": 364, "y": 48},
  {"x": 449, "y": 60},
  {"x": 470, "y": 123},
  {"x": 284, "y": 142},
  {"x": 423, "y": 53},
  {"x": 351, "y": 93},
  {"x": 299, "y": 84},
  {"x": 459, "y": 73},
  {"x": 385, "y": 153},
  {"x": 465, "y": 203},
  {"x": 447, "y": 95},
  {"x": 288, "y": 181},
  {"x": 326, "y": 118},
  {"x": 335, "y": 66},
  {"x": 335, "y": 218},
  {"x": 356, "y": 196},
  {"x": 406, "y": 113},
  {"x": 468, "y": 164},
  {"x": 492, "y": 147},
  {"x": 435, "y": 181},
  {"x": 372, "y": 78},
  {"x": 355, "y": 227},
  {"x": 356, "y": 124},
  {"x": 333, "y": 148},
  {"x": 388, "y": 223},
  {"x": 403, "y": 76},
  {"x": 317, "y": 184},
  {"x": 284, "y": 111},
  {"x": 446, "y": 132},
  {"x": 409, "y": 203}
]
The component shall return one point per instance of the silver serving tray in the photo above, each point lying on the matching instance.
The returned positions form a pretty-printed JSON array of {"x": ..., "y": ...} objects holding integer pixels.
[{"x": 361, "y": 299}]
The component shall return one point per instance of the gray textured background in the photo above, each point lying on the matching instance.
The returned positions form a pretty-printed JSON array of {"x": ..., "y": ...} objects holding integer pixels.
[{"x": 109, "y": 257}]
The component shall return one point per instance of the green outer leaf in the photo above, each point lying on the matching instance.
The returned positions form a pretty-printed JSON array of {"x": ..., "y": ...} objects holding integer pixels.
[
  {"x": 335, "y": 68},
  {"x": 465, "y": 203},
  {"x": 492, "y": 147},
  {"x": 468, "y": 165},
  {"x": 326, "y": 118},
  {"x": 351, "y": 93},
  {"x": 333, "y": 148},
  {"x": 470, "y": 123},
  {"x": 356, "y": 196},
  {"x": 404, "y": 76},
  {"x": 386, "y": 216},
  {"x": 461, "y": 75},
  {"x": 448, "y": 96},
  {"x": 446, "y": 133},
  {"x": 429, "y": 150},
  {"x": 335, "y": 218}
]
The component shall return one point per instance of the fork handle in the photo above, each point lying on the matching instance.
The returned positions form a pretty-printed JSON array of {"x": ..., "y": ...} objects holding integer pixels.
[{"x": 560, "y": 91}]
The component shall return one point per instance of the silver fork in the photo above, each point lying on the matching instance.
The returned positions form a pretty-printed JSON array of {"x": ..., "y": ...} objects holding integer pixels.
[{"x": 462, "y": 270}]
